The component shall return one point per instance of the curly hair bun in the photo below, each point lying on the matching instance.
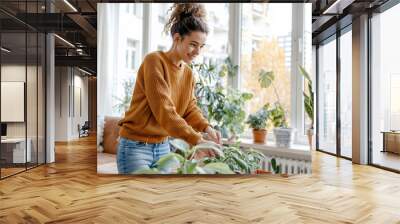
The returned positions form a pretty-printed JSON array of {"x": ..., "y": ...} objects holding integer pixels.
[{"x": 191, "y": 16}]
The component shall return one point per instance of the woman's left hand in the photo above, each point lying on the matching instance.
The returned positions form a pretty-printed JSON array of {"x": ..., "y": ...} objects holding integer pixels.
[{"x": 213, "y": 135}]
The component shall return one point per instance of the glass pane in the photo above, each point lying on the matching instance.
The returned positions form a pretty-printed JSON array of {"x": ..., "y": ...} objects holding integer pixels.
[
  {"x": 386, "y": 89},
  {"x": 129, "y": 49},
  {"x": 327, "y": 97},
  {"x": 159, "y": 39},
  {"x": 346, "y": 94},
  {"x": 13, "y": 85},
  {"x": 31, "y": 101},
  {"x": 216, "y": 48},
  {"x": 266, "y": 45}
]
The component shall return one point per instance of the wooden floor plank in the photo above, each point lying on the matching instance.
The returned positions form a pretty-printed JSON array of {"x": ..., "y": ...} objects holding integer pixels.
[{"x": 70, "y": 191}]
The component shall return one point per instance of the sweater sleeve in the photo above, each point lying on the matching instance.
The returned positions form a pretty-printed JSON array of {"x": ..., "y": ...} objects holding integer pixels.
[
  {"x": 158, "y": 96},
  {"x": 193, "y": 114}
]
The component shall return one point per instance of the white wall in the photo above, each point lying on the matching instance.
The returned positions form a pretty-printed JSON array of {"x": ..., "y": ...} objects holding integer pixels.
[{"x": 71, "y": 87}]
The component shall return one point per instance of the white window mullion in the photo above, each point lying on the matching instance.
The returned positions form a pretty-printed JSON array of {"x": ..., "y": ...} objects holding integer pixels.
[
  {"x": 146, "y": 28},
  {"x": 297, "y": 113},
  {"x": 235, "y": 27}
]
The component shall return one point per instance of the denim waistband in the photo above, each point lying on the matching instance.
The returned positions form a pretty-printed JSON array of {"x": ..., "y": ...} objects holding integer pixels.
[{"x": 147, "y": 143}]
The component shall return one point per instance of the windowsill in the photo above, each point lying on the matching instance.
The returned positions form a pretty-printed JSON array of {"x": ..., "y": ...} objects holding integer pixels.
[{"x": 297, "y": 152}]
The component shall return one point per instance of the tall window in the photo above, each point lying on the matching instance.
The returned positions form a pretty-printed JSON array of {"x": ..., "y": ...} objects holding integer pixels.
[
  {"x": 346, "y": 94},
  {"x": 266, "y": 42},
  {"x": 327, "y": 96},
  {"x": 385, "y": 84},
  {"x": 216, "y": 47},
  {"x": 266, "y": 45}
]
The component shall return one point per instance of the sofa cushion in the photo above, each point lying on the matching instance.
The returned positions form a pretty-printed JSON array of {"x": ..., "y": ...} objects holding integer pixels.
[{"x": 111, "y": 134}]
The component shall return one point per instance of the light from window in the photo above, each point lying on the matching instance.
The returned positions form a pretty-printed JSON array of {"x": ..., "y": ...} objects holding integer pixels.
[{"x": 264, "y": 48}]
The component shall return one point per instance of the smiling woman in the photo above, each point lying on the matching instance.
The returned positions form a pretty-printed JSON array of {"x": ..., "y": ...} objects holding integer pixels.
[{"x": 163, "y": 103}]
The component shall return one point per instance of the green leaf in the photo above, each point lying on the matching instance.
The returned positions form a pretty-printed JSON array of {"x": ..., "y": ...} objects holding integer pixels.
[
  {"x": 189, "y": 167},
  {"x": 170, "y": 162},
  {"x": 217, "y": 168},
  {"x": 275, "y": 167},
  {"x": 207, "y": 146},
  {"x": 180, "y": 144},
  {"x": 242, "y": 164},
  {"x": 266, "y": 78},
  {"x": 147, "y": 170},
  {"x": 304, "y": 73}
]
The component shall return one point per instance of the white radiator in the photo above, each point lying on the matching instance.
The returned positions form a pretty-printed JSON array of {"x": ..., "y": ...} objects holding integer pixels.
[{"x": 288, "y": 166}]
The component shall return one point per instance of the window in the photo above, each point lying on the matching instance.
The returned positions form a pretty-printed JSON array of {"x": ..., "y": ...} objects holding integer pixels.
[
  {"x": 216, "y": 47},
  {"x": 160, "y": 41},
  {"x": 266, "y": 45},
  {"x": 346, "y": 94},
  {"x": 133, "y": 9},
  {"x": 130, "y": 54},
  {"x": 385, "y": 84},
  {"x": 266, "y": 42},
  {"x": 327, "y": 96}
]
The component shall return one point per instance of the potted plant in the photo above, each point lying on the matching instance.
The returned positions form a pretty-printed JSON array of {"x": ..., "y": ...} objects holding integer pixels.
[
  {"x": 258, "y": 122},
  {"x": 308, "y": 104},
  {"x": 283, "y": 134},
  {"x": 186, "y": 160}
]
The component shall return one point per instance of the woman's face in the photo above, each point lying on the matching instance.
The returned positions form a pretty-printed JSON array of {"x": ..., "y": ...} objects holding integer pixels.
[{"x": 190, "y": 46}]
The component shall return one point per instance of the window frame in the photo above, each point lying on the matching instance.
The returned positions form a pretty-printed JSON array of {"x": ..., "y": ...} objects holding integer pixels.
[{"x": 234, "y": 39}]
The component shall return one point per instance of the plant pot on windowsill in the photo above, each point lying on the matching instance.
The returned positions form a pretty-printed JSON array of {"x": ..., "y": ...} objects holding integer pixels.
[
  {"x": 283, "y": 137},
  {"x": 259, "y": 135}
]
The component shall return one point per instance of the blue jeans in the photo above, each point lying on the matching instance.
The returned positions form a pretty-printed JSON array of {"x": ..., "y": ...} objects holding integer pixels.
[{"x": 134, "y": 155}]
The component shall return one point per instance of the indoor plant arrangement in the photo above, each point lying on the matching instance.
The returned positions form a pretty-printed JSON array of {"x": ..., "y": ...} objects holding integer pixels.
[
  {"x": 233, "y": 114},
  {"x": 228, "y": 160},
  {"x": 224, "y": 108},
  {"x": 283, "y": 134},
  {"x": 258, "y": 122},
  {"x": 308, "y": 104}
]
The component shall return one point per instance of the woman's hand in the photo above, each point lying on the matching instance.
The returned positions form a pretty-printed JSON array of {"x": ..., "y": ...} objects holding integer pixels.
[
  {"x": 204, "y": 153},
  {"x": 213, "y": 135}
]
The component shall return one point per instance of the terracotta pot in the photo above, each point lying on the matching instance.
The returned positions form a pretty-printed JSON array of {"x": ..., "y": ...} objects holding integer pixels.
[
  {"x": 259, "y": 135},
  {"x": 310, "y": 133}
]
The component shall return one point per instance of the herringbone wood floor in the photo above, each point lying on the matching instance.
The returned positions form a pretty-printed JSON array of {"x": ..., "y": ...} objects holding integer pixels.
[{"x": 70, "y": 191}]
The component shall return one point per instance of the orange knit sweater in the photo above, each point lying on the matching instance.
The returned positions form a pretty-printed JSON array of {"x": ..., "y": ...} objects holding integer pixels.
[{"x": 163, "y": 103}]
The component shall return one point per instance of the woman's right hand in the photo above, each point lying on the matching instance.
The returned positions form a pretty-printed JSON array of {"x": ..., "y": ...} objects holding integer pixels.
[{"x": 205, "y": 153}]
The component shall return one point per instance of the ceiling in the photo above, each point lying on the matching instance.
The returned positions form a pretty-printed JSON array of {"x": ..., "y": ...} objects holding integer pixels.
[{"x": 76, "y": 22}]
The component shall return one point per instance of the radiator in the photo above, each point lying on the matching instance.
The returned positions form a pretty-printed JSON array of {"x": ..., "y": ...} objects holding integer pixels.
[{"x": 288, "y": 166}]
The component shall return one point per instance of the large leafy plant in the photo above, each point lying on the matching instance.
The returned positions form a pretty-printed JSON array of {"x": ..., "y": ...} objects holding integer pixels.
[
  {"x": 308, "y": 96},
  {"x": 224, "y": 108},
  {"x": 278, "y": 113},
  {"x": 228, "y": 160},
  {"x": 233, "y": 114}
]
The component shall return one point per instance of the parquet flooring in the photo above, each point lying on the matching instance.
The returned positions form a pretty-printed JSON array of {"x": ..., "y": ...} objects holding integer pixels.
[{"x": 70, "y": 191}]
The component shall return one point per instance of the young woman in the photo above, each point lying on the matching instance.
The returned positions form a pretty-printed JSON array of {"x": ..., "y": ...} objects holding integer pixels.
[{"x": 163, "y": 102}]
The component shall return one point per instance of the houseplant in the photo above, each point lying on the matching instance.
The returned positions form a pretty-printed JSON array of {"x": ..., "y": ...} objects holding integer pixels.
[
  {"x": 224, "y": 108},
  {"x": 308, "y": 103},
  {"x": 228, "y": 160},
  {"x": 283, "y": 134},
  {"x": 233, "y": 114},
  {"x": 258, "y": 122}
]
